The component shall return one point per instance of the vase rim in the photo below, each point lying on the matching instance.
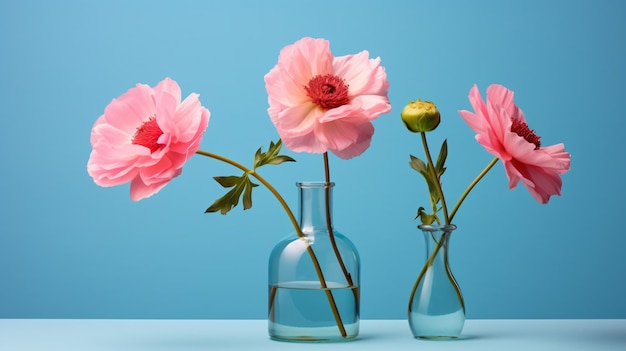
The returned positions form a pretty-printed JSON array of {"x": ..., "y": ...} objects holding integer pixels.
[
  {"x": 436, "y": 227},
  {"x": 314, "y": 184}
]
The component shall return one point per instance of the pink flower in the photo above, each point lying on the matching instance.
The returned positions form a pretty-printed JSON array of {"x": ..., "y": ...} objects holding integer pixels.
[
  {"x": 321, "y": 103},
  {"x": 501, "y": 128},
  {"x": 145, "y": 136}
]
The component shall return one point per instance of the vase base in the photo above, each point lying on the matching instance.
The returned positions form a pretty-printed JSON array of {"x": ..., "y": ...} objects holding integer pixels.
[
  {"x": 437, "y": 337},
  {"x": 312, "y": 340},
  {"x": 279, "y": 332}
]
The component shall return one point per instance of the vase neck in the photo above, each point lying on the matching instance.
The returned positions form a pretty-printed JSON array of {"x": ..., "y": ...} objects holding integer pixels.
[
  {"x": 437, "y": 236},
  {"x": 313, "y": 199}
]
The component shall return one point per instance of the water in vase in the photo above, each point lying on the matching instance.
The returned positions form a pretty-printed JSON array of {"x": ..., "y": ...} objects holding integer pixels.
[
  {"x": 438, "y": 326},
  {"x": 301, "y": 310}
]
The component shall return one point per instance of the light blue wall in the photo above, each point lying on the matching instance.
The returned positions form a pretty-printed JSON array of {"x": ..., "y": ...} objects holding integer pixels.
[{"x": 70, "y": 249}]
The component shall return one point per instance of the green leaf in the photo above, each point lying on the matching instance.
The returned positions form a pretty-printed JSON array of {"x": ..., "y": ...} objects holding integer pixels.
[
  {"x": 280, "y": 159},
  {"x": 240, "y": 186},
  {"x": 257, "y": 157},
  {"x": 431, "y": 182},
  {"x": 231, "y": 199},
  {"x": 434, "y": 191},
  {"x": 225, "y": 203},
  {"x": 441, "y": 159},
  {"x": 271, "y": 157},
  {"x": 247, "y": 194},
  {"x": 418, "y": 165},
  {"x": 228, "y": 182}
]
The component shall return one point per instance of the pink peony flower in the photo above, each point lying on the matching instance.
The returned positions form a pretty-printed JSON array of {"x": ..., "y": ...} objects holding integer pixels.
[
  {"x": 501, "y": 128},
  {"x": 321, "y": 103},
  {"x": 145, "y": 136}
]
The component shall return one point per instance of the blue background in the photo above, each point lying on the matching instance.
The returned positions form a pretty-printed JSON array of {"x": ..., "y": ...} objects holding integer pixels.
[{"x": 71, "y": 249}]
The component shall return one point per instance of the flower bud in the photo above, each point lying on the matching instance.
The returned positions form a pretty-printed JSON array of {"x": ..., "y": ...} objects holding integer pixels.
[{"x": 420, "y": 116}]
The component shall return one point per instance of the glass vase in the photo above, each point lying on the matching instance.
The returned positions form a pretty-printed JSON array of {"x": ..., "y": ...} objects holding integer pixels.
[
  {"x": 314, "y": 276},
  {"x": 436, "y": 307}
]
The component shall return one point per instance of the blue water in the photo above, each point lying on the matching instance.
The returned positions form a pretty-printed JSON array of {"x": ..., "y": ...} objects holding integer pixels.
[{"x": 301, "y": 311}]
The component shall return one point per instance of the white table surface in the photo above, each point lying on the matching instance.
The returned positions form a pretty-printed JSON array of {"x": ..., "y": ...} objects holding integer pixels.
[{"x": 392, "y": 335}]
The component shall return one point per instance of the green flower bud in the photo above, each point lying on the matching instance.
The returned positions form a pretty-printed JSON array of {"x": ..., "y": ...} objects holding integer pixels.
[{"x": 420, "y": 116}]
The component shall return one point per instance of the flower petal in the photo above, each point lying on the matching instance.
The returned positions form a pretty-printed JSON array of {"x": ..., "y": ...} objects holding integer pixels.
[
  {"x": 345, "y": 138},
  {"x": 363, "y": 76},
  {"x": 304, "y": 143},
  {"x": 540, "y": 183},
  {"x": 363, "y": 141},
  {"x": 130, "y": 110},
  {"x": 298, "y": 120}
]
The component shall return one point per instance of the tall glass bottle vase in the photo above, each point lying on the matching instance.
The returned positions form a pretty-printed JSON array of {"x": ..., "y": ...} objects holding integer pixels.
[
  {"x": 314, "y": 277},
  {"x": 436, "y": 307}
]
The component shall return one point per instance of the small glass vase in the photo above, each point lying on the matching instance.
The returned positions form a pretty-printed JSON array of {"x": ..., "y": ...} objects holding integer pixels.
[
  {"x": 314, "y": 276},
  {"x": 436, "y": 307}
]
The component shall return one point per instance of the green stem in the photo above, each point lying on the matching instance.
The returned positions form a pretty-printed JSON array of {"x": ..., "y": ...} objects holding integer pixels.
[
  {"x": 331, "y": 234},
  {"x": 445, "y": 237},
  {"x": 451, "y": 277},
  {"x": 428, "y": 263},
  {"x": 329, "y": 225},
  {"x": 295, "y": 224},
  {"x": 433, "y": 171},
  {"x": 471, "y": 186}
]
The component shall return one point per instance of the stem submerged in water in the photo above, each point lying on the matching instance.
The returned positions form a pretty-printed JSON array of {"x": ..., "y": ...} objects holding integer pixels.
[{"x": 331, "y": 234}]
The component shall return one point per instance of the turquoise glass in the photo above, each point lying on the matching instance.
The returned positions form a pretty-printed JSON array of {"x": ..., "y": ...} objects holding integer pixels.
[
  {"x": 436, "y": 307},
  {"x": 314, "y": 278}
]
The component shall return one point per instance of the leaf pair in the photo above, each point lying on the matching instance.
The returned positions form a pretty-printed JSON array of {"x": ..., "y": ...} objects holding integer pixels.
[
  {"x": 431, "y": 179},
  {"x": 242, "y": 185},
  {"x": 271, "y": 157}
]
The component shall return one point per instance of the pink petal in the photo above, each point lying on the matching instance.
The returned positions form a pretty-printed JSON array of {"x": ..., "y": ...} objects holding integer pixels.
[
  {"x": 304, "y": 143},
  {"x": 170, "y": 87},
  {"x": 357, "y": 73},
  {"x": 139, "y": 190},
  {"x": 345, "y": 137},
  {"x": 499, "y": 120},
  {"x": 479, "y": 106},
  {"x": 363, "y": 141},
  {"x": 305, "y": 59},
  {"x": 541, "y": 184},
  {"x": 188, "y": 117},
  {"x": 478, "y": 124},
  {"x": 283, "y": 89},
  {"x": 191, "y": 146},
  {"x": 560, "y": 160},
  {"x": 498, "y": 95},
  {"x": 351, "y": 111},
  {"x": 166, "y": 106},
  {"x": 373, "y": 105},
  {"x": 298, "y": 120},
  {"x": 131, "y": 110}
]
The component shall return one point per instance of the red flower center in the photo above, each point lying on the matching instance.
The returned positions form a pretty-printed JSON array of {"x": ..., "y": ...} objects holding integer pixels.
[
  {"x": 328, "y": 91},
  {"x": 148, "y": 134},
  {"x": 520, "y": 128}
]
